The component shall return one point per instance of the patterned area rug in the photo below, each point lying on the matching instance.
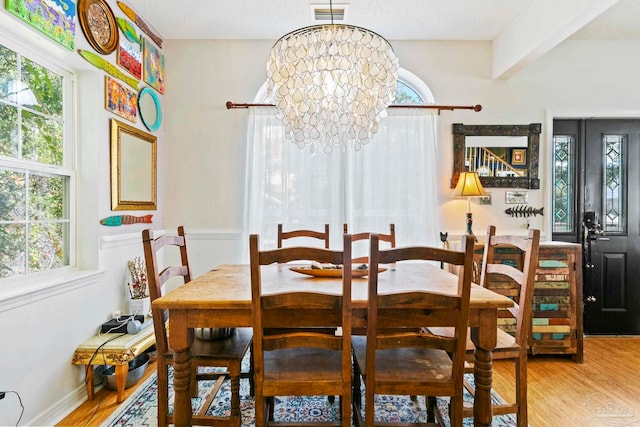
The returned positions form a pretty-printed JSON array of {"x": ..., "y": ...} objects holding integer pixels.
[{"x": 140, "y": 409}]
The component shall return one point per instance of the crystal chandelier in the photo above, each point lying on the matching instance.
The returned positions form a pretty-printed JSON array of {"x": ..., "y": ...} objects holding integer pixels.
[{"x": 332, "y": 84}]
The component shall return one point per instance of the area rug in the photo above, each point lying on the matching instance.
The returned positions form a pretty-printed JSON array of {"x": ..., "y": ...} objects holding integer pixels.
[{"x": 140, "y": 409}]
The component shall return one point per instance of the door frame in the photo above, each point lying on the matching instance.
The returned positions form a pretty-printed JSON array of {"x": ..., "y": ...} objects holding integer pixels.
[{"x": 547, "y": 155}]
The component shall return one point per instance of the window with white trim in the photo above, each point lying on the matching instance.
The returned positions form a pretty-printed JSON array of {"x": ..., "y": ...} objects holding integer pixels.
[{"x": 36, "y": 163}]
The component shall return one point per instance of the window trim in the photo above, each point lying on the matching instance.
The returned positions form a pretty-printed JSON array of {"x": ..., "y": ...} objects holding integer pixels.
[{"x": 10, "y": 286}]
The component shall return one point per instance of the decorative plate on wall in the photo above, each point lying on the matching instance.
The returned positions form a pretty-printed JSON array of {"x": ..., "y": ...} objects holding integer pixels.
[{"x": 98, "y": 25}]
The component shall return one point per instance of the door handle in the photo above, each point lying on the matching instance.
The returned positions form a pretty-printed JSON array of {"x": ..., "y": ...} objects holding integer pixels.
[{"x": 606, "y": 239}]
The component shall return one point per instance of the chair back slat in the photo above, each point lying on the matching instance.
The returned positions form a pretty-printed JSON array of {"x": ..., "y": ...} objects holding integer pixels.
[
  {"x": 283, "y": 255},
  {"x": 284, "y": 235},
  {"x": 301, "y": 339},
  {"x": 411, "y": 339}
]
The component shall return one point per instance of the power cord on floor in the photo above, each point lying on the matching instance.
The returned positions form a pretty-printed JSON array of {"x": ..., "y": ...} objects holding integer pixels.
[
  {"x": 95, "y": 411},
  {"x": 3, "y": 395}
]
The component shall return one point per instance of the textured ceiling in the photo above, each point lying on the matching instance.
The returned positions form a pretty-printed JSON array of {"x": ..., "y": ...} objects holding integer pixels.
[{"x": 395, "y": 20}]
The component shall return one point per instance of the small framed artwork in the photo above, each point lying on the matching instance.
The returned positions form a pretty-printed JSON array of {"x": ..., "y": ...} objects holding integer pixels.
[
  {"x": 130, "y": 57},
  {"x": 519, "y": 156},
  {"x": 516, "y": 197},
  {"x": 120, "y": 100},
  {"x": 153, "y": 70},
  {"x": 486, "y": 199}
]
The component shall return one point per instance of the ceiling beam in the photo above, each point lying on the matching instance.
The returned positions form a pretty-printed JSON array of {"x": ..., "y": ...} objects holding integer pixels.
[{"x": 538, "y": 28}]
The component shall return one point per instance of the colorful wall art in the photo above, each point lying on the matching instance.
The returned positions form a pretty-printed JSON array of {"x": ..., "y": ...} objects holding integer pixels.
[
  {"x": 120, "y": 100},
  {"x": 130, "y": 57},
  {"x": 55, "y": 18},
  {"x": 153, "y": 66},
  {"x": 117, "y": 220}
]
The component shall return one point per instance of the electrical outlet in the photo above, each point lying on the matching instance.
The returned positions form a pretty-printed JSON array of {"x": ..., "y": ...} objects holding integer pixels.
[{"x": 116, "y": 314}]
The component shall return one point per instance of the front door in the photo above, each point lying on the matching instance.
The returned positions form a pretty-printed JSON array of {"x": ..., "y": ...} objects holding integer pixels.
[{"x": 608, "y": 189}]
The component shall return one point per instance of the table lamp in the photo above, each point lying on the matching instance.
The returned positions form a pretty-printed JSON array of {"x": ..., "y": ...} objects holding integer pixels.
[{"x": 469, "y": 186}]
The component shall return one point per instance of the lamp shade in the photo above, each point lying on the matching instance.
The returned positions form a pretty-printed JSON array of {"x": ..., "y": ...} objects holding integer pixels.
[{"x": 469, "y": 185}]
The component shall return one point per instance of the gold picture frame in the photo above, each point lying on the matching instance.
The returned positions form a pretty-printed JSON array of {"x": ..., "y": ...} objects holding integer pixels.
[
  {"x": 519, "y": 157},
  {"x": 133, "y": 168},
  {"x": 98, "y": 24}
]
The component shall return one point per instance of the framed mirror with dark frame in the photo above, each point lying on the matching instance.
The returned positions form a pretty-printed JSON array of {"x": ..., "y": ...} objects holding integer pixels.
[{"x": 505, "y": 156}]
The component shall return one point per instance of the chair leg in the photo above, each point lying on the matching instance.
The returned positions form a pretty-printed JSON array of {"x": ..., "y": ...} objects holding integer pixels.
[
  {"x": 521, "y": 391},
  {"x": 163, "y": 393},
  {"x": 234, "y": 377},
  {"x": 456, "y": 406},
  {"x": 431, "y": 408},
  {"x": 193, "y": 386},
  {"x": 252, "y": 391},
  {"x": 356, "y": 396},
  {"x": 369, "y": 400},
  {"x": 271, "y": 407},
  {"x": 260, "y": 411}
]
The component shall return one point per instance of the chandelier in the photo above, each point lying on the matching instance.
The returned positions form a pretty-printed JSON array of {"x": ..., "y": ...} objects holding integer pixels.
[{"x": 332, "y": 84}]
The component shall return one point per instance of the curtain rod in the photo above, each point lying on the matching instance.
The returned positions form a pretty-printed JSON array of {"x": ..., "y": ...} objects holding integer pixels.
[{"x": 476, "y": 108}]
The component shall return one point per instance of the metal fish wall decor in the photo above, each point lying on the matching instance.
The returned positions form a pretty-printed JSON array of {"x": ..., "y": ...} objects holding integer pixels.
[{"x": 524, "y": 211}]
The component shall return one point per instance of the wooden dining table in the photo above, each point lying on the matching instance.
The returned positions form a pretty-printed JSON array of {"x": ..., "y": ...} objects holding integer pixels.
[{"x": 222, "y": 298}]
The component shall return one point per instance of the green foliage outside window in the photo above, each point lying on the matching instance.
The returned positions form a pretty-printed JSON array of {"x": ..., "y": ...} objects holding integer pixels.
[{"x": 34, "y": 189}]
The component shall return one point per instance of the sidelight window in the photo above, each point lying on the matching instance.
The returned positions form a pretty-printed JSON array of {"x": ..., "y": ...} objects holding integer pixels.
[
  {"x": 614, "y": 188},
  {"x": 562, "y": 175}
]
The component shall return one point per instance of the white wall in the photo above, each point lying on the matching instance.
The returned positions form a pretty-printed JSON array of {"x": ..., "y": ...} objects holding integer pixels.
[
  {"x": 577, "y": 76},
  {"x": 201, "y": 186}
]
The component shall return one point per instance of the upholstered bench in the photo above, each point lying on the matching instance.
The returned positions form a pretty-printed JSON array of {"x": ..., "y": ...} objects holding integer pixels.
[{"x": 113, "y": 349}]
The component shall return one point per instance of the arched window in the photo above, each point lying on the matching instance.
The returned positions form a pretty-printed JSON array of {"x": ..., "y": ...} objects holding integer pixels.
[{"x": 390, "y": 180}]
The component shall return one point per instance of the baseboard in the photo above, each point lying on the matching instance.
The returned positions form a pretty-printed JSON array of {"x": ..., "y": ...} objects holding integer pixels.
[{"x": 60, "y": 409}]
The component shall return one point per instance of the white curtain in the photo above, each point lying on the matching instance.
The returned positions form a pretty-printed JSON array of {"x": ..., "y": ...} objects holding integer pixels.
[{"x": 391, "y": 180}]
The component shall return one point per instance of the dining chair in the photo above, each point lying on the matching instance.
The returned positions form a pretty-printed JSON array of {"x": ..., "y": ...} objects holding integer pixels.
[
  {"x": 519, "y": 277},
  {"x": 299, "y": 361},
  {"x": 395, "y": 357},
  {"x": 227, "y": 353},
  {"x": 284, "y": 235},
  {"x": 389, "y": 238}
]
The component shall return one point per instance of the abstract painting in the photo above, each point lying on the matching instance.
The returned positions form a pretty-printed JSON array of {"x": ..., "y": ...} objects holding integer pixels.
[
  {"x": 153, "y": 66},
  {"x": 55, "y": 18},
  {"x": 120, "y": 99}
]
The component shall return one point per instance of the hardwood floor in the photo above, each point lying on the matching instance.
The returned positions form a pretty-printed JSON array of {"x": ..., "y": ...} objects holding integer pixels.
[
  {"x": 102, "y": 406},
  {"x": 561, "y": 393}
]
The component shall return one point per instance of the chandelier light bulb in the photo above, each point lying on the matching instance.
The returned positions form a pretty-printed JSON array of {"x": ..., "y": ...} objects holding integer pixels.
[{"x": 332, "y": 84}]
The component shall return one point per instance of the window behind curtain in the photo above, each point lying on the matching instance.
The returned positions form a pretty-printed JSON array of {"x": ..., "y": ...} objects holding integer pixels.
[
  {"x": 391, "y": 180},
  {"x": 35, "y": 166}
]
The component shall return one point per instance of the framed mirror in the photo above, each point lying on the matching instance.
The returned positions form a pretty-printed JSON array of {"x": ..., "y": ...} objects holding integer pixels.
[
  {"x": 503, "y": 155},
  {"x": 149, "y": 108},
  {"x": 133, "y": 168}
]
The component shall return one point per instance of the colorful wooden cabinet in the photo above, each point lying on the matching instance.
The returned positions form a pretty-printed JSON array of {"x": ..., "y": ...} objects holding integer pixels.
[{"x": 557, "y": 300}]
